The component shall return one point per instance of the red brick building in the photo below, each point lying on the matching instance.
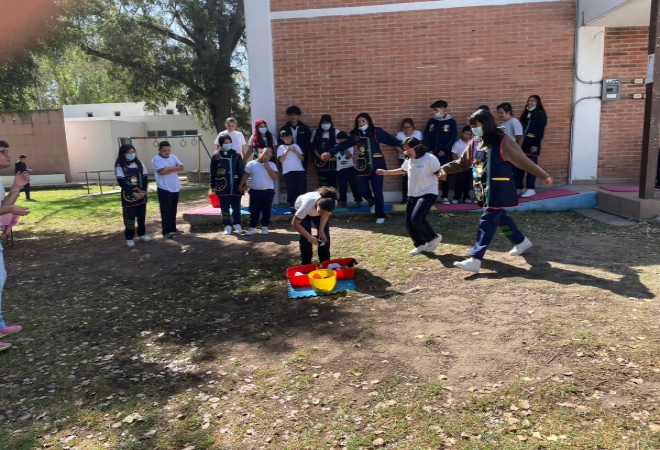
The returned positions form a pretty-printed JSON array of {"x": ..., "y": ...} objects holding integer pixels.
[{"x": 393, "y": 58}]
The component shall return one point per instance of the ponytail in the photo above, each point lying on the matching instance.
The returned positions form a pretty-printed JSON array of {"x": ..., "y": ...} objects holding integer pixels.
[
  {"x": 414, "y": 143},
  {"x": 328, "y": 199}
]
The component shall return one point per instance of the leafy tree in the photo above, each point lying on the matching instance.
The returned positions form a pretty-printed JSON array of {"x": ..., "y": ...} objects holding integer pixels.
[
  {"x": 177, "y": 50},
  {"x": 18, "y": 76}
]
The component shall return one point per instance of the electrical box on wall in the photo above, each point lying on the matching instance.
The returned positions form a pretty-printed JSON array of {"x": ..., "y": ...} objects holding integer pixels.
[{"x": 611, "y": 89}]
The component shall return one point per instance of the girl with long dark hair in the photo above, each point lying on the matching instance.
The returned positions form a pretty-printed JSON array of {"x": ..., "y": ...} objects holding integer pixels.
[
  {"x": 132, "y": 178},
  {"x": 366, "y": 138},
  {"x": 492, "y": 156},
  {"x": 534, "y": 121},
  {"x": 323, "y": 139}
]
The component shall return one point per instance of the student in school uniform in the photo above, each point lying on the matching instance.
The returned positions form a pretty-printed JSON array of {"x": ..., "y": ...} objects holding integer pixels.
[
  {"x": 346, "y": 174},
  {"x": 314, "y": 208},
  {"x": 490, "y": 156},
  {"x": 300, "y": 132},
  {"x": 366, "y": 138},
  {"x": 439, "y": 137},
  {"x": 166, "y": 168},
  {"x": 512, "y": 126},
  {"x": 407, "y": 130},
  {"x": 261, "y": 138},
  {"x": 262, "y": 173},
  {"x": 237, "y": 138},
  {"x": 226, "y": 174},
  {"x": 291, "y": 158},
  {"x": 534, "y": 121},
  {"x": 132, "y": 177},
  {"x": 422, "y": 168},
  {"x": 323, "y": 139},
  {"x": 463, "y": 179}
]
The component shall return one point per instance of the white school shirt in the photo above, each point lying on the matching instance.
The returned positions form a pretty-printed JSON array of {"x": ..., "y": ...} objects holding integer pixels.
[
  {"x": 459, "y": 147},
  {"x": 402, "y": 137},
  {"x": 422, "y": 178},
  {"x": 306, "y": 205},
  {"x": 343, "y": 161},
  {"x": 237, "y": 140},
  {"x": 291, "y": 162},
  {"x": 261, "y": 180},
  {"x": 513, "y": 128},
  {"x": 169, "y": 182}
]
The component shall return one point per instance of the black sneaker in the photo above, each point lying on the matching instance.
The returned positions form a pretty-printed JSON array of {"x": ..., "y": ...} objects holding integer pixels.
[
  {"x": 177, "y": 231},
  {"x": 168, "y": 235}
]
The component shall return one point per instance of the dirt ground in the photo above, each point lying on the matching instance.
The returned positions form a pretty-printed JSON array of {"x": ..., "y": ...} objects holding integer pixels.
[{"x": 211, "y": 313}]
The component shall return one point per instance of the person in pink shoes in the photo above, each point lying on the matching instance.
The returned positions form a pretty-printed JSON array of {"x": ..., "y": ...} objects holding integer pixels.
[{"x": 8, "y": 207}]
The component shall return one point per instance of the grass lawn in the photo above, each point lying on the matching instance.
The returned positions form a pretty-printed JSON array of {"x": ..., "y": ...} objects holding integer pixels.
[{"x": 191, "y": 343}]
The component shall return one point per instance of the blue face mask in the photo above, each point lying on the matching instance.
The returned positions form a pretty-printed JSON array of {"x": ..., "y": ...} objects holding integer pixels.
[
  {"x": 437, "y": 115},
  {"x": 364, "y": 127},
  {"x": 263, "y": 130},
  {"x": 130, "y": 156},
  {"x": 478, "y": 132},
  {"x": 326, "y": 126},
  {"x": 227, "y": 147}
]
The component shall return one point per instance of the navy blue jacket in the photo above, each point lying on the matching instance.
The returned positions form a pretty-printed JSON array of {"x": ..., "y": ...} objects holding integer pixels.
[
  {"x": 303, "y": 139},
  {"x": 367, "y": 163},
  {"x": 226, "y": 172},
  {"x": 439, "y": 136},
  {"x": 533, "y": 132}
]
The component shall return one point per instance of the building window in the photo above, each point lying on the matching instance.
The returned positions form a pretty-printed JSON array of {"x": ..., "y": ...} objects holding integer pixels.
[
  {"x": 117, "y": 113},
  {"x": 90, "y": 114},
  {"x": 123, "y": 141},
  {"x": 191, "y": 132},
  {"x": 159, "y": 133},
  {"x": 169, "y": 111},
  {"x": 184, "y": 132}
]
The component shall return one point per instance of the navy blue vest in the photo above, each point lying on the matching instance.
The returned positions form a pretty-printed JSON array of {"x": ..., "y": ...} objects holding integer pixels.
[
  {"x": 226, "y": 178},
  {"x": 492, "y": 176}
]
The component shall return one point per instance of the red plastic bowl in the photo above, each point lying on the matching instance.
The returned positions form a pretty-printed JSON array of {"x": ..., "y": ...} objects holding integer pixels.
[
  {"x": 342, "y": 274},
  {"x": 300, "y": 280}
]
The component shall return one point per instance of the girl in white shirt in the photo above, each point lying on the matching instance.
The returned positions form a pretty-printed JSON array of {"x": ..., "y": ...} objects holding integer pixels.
[
  {"x": 407, "y": 130},
  {"x": 263, "y": 172},
  {"x": 422, "y": 168}
]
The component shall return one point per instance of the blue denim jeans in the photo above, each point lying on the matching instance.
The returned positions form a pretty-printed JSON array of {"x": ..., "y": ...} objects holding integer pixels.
[{"x": 3, "y": 278}]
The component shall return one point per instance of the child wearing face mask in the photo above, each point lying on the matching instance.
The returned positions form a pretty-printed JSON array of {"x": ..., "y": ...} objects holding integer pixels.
[
  {"x": 323, "y": 139},
  {"x": 226, "y": 174},
  {"x": 346, "y": 174},
  {"x": 439, "y": 137},
  {"x": 291, "y": 157},
  {"x": 463, "y": 179},
  {"x": 422, "y": 169},
  {"x": 261, "y": 138},
  {"x": 534, "y": 121},
  {"x": 262, "y": 172},
  {"x": 132, "y": 178}
]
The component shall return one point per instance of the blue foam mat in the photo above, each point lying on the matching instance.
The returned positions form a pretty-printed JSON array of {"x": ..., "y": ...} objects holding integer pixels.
[
  {"x": 245, "y": 211},
  {"x": 307, "y": 291}
]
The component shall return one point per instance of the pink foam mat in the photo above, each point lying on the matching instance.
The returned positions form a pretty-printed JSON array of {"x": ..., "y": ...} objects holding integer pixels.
[
  {"x": 623, "y": 188},
  {"x": 554, "y": 193},
  {"x": 457, "y": 207}
]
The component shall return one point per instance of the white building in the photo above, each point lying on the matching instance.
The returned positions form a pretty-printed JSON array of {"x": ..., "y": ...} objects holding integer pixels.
[{"x": 95, "y": 131}]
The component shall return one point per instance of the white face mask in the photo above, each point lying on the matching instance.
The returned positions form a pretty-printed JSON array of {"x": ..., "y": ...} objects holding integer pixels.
[
  {"x": 531, "y": 109},
  {"x": 364, "y": 127}
]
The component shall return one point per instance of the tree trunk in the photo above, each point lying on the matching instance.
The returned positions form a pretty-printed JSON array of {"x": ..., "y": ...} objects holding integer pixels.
[{"x": 220, "y": 107}]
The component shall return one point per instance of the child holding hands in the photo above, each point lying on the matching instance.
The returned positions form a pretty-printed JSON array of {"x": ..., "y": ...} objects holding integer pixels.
[
  {"x": 291, "y": 157},
  {"x": 262, "y": 171}
]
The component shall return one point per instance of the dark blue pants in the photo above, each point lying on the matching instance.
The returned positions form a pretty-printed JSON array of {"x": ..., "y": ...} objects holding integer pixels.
[
  {"x": 26, "y": 190},
  {"x": 328, "y": 177},
  {"x": 261, "y": 203},
  {"x": 417, "y": 208},
  {"x": 490, "y": 221},
  {"x": 530, "y": 182},
  {"x": 168, "y": 202},
  {"x": 296, "y": 185},
  {"x": 134, "y": 214},
  {"x": 233, "y": 201},
  {"x": 306, "y": 250},
  {"x": 404, "y": 185},
  {"x": 463, "y": 185},
  {"x": 377, "y": 197},
  {"x": 348, "y": 177}
]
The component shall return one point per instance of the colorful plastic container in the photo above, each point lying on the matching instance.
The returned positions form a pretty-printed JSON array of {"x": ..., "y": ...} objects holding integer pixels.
[
  {"x": 342, "y": 274},
  {"x": 215, "y": 201},
  {"x": 323, "y": 280},
  {"x": 300, "y": 280}
]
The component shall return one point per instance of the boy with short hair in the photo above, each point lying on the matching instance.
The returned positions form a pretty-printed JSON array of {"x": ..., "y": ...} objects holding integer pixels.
[
  {"x": 439, "y": 137},
  {"x": 463, "y": 179},
  {"x": 290, "y": 157},
  {"x": 302, "y": 135},
  {"x": 512, "y": 126},
  {"x": 346, "y": 174},
  {"x": 166, "y": 168}
]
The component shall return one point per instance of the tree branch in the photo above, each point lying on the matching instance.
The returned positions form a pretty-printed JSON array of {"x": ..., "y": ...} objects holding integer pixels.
[
  {"x": 166, "y": 33},
  {"x": 198, "y": 44}
]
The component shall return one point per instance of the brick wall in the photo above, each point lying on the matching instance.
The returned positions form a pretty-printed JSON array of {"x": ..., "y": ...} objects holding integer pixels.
[
  {"x": 40, "y": 136},
  {"x": 622, "y": 122},
  {"x": 295, "y": 5},
  {"x": 394, "y": 65}
]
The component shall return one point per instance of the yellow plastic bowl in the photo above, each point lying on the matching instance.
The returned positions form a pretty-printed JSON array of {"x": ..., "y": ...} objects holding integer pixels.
[{"x": 323, "y": 280}]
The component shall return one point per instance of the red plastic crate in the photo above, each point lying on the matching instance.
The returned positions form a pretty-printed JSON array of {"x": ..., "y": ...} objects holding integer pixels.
[
  {"x": 300, "y": 280},
  {"x": 342, "y": 274}
]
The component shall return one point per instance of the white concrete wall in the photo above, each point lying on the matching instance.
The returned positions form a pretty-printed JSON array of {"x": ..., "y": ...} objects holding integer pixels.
[
  {"x": 108, "y": 110},
  {"x": 615, "y": 13},
  {"x": 36, "y": 180},
  {"x": 586, "y": 122}
]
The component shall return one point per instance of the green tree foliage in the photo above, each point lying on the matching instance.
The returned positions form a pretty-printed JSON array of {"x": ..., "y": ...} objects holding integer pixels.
[
  {"x": 177, "y": 50},
  {"x": 18, "y": 76}
]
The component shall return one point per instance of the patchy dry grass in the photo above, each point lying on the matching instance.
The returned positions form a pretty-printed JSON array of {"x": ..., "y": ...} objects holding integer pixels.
[{"x": 192, "y": 343}]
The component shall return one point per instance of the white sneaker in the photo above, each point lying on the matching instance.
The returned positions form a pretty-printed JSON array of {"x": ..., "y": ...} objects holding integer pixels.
[
  {"x": 520, "y": 192},
  {"x": 228, "y": 229},
  {"x": 445, "y": 201},
  {"x": 418, "y": 250},
  {"x": 519, "y": 249},
  {"x": 251, "y": 231},
  {"x": 380, "y": 220},
  {"x": 467, "y": 200},
  {"x": 454, "y": 202},
  {"x": 470, "y": 265},
  {"x": 528, "y": 193},
  {"x": 264, "y": 230},
  {"x": 145, "y": 238},
  {"x": 130, "y": 243},
  {"x": 238, "y": 228},
  {"x": 433, "y": 243},
  {"x": 373, "y": 209}
]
